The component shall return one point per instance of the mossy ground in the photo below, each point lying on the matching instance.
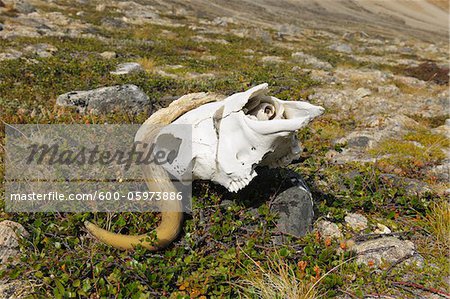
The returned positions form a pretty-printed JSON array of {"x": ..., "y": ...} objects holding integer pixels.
[{"x": 219, "y": 242}]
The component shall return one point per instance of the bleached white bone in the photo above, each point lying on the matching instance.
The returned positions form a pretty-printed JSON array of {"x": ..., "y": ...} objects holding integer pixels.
[{"x": 231, "y": 137}]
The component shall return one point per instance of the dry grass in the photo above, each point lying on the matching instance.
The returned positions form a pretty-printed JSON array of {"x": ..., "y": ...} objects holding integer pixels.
[
  {"x": 277, "y": 280},
  {"x": 438, "y": 223},
  {"x": 147, "y": 63}
]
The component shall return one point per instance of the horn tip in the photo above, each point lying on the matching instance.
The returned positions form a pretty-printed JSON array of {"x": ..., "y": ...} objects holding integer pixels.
[{"x": 88, "y": 224}]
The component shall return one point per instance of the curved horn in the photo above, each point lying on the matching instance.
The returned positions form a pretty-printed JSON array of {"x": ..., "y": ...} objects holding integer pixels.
[{"x": 171, "y": 221}]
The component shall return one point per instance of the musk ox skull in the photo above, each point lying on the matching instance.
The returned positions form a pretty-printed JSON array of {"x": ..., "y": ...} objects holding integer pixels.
[{"x": 230, "y": 138}]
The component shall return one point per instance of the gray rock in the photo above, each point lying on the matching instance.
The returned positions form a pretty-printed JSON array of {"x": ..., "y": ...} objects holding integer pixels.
[
  {"x": 357, "y": 35},
  {"x": 11, "y": 54},
  {"x": 294, "y": 207},
  {"x": 386, "y": 249},
  {"x": 113, "y": 23},
  {"x": 356, "y": 221},
  {"x": 441, "y": 172},
  {"x": 271, "y": 59},
  {"x": 359, "y": 141},
  {"x": 328, "y": 229},
  {"x": 223, "y": 21},
  {"x": 108, "y": 54},
  {"x": 343, "y": 48},
  {"x": 136, "y": 13},
  {"x": 10, "y": 234},
  {"x": 311, "y": 61},
  {"x": 382, "y": 229},
  {"x": 41, "y": 50},
  {"x": 125, "y": 98},
  {"x": 389, "y": 89},
  {"x": 127, "y": 68},
  {"x": 1, "y": 26},
  {"x": 289, "y": 30},
  {"x": 22, "y": 6},
  {"x": 362, "y": 92}
]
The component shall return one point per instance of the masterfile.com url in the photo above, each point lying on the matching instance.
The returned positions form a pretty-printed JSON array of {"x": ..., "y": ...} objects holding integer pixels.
[{"x": 97, "y": 195}]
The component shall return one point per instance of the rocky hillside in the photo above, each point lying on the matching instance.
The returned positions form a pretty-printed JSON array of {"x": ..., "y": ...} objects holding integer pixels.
[{"x": 377, "y": 162}]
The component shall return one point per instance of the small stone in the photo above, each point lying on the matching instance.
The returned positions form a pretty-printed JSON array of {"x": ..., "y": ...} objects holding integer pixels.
[
  {"x": 356, "y": 221},
  {"x": 343, "y": 48},
  {"x": 389, "y": 89},
  {"x": 289, "y": 30},
  {"x": 119, "y": 98},
  {"x": 127, "y": 68},
  {"x": 329, "y": 229},
  {"x": 386, "y": 249},
  {"x": 11, "y": 54},
  {"x": 362, "y": 92},
  {"x": 41, "y": 50},
  {"x": 382, "y": 229},
  {"x": 108, "y": 54},
  {"x": 311, "y": 61},
  {"x": 272, "y": 59},
  {"x": 223, "y": 21},
  {"x": 359, "y": 142},
  {"x": 208, "y": 57},
  {"x": 100, "y": 7},
  {"x": 1, "y": 27},
  {"x": 113, "y": 23}
]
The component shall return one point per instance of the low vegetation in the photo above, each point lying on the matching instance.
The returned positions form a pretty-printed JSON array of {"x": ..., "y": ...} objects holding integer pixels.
[{"x": 228, "y": 247}]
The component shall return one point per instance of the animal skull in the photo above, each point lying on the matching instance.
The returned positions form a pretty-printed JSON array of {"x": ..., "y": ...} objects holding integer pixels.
[{"x": 231, "y": 137}]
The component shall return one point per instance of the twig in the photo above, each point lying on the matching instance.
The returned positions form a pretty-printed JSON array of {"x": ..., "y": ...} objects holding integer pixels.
[
  {"x": 379, "y": 296},
  {"x": 375, "y": 249},
  {"x": 347, "y": 293},
  {"x": 414, "y": 293},
  {"x": 421, "y": 287},
  {"x": 376, "y": 236},
  {"x": 391, "y": 267}
]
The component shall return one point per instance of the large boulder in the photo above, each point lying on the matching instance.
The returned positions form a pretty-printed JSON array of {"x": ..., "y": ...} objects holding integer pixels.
[{"x": 119, "y": 98}]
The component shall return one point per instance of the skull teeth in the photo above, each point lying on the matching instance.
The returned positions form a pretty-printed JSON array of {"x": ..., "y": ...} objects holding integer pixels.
[{"x": 238, "y": 184}]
